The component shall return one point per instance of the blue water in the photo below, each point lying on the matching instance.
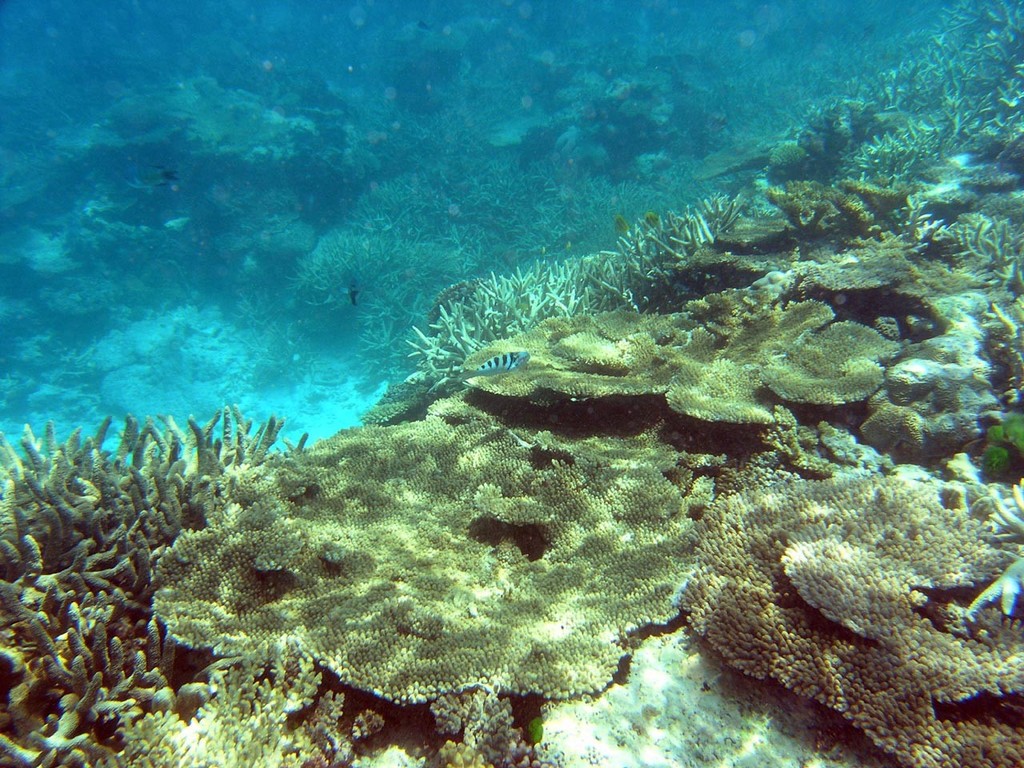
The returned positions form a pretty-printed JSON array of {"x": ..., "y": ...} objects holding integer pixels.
[{"x": 165, "y": 169}]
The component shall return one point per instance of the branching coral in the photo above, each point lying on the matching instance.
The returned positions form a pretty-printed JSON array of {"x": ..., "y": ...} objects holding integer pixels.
[
  {"x": 499, "y": 306},
  {"x": 995, "y": 245},
  {"x": 853, "y": 210},
  {"x": 963, "y": 92},
  {"x": 483, "y": 723},
  {"x": 1008, "y": 520},
  {"x": 81, "y": 531},
  {"x": 656, "y": 243},
  {"x": 1005, "y": 346},
  {"x": 377, "y": 277},
  {"x": 245, "y": 721},
  {"x": 631, "y": 278}
]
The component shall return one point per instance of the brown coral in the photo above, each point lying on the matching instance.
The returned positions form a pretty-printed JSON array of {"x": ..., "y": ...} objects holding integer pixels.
[
  {"x": 81, "y": 531},
  {"x": 720, "y": 371},
  {"x": 837, "y": 588},
  {"x": 422, "y": 558}
]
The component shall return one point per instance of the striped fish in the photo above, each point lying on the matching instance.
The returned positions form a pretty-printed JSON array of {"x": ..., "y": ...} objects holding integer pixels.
[{"x": 503, "y": 363}]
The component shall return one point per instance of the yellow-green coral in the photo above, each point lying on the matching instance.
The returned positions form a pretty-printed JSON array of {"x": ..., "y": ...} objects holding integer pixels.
[
  {"x": 841, "y": 590},
  {"x": 816, "y": 210},
  {"x": 426, "y": 557},
  {"x": 719, "y": 390},
  {"x": 642, "y": 274},
  {"x": 725, "y": 371},
  {"x": 81, "y": 530},
  {"x": 830, "y": 367},
  {"x": 244, "y": 723}
]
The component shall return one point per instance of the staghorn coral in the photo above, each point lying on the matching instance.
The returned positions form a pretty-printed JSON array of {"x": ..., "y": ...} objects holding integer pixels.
[
  {"x": 1004, "y": 345},
  {"x": 961, "y": 94},
  {"x": 424, "y": 558},
  {"x": 81, "y": 530},
  {"x": 1005, "y": 589},
  {"x": 483, "y": 721},
  {"x": 376, "y": 276},
  {"x": 838, "y": 589},
  {"x": 898, "y": 153},
  {"x": 499, "y": 306},
  {"x": 994, "y": 245},
  {"x": 642, "y": 275}
]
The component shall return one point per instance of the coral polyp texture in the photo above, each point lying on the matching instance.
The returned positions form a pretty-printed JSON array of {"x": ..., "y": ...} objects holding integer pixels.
[
  {"x": 425, "y": 558},
  {"x": 734, "y": 372},
  {"x": 844, "y": 591}
]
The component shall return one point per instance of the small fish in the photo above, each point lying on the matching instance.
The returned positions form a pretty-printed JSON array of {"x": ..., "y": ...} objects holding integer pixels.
[
  {"x": 353, "y": 292},
  {"x": 503, "y": 363},
  {"x": 150, "y": 177}
]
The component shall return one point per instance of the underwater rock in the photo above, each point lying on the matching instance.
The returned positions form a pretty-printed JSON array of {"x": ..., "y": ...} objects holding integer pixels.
[{"x": 932, "y": 398}]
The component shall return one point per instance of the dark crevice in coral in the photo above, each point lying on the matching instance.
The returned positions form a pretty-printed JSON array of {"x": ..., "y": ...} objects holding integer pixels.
[
  {"x": 409, "y": 726},
  {"x": 608, "y": 416},
  {"x": 695, "y": 436},
  {"x": 1007, "y": 709},
  {"x": 545, "y": 458},
  {"x": 848, "y": 415},
  {"x": 530, "y": 538},
  {"x": 866, "y": 306}
]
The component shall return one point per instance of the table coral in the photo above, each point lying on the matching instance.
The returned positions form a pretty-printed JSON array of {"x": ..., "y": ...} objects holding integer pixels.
[
  {"x": 423, "y": 558},
  {"x": 842, "y": 591},
  {"x": 713, "y": 372}
]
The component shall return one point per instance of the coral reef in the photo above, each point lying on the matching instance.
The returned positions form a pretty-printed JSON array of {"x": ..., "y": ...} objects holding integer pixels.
[
  {"x": 936, "y": 392},
  {"x": 709, "y": 423},
  {"x": 841, "y": 591},
  {"x": 725, "y": 372},
  {"x": 995, "y": 243},
  {"x": 488, "y": 738},
  {"x": 81, "y": 531},
  {"x": 424, "y": 558},
  {"x": 260, "y": 696},
  {"x": 681, "y": 706},
  {"x": 643, "y": 274},
  {"x": 1008, "y": 521},
  {"x": 853, "y": 210}
]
